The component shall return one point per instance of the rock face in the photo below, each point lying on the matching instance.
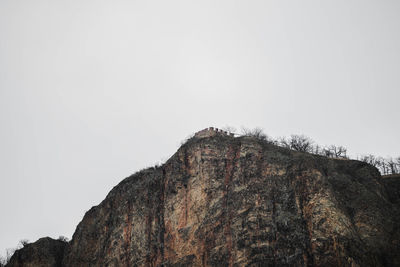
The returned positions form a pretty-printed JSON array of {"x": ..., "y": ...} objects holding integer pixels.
[
  {"x": 225, "y": 201},
  {"x": 45, "y": 252},
  {"x": 392, "y": 184}
]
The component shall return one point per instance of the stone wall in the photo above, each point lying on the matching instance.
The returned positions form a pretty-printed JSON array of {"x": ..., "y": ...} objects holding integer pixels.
[{"x": 211, "y": 131}]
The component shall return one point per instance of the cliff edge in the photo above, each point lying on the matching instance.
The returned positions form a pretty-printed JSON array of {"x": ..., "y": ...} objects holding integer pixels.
[{"x": 226, "y": 201}]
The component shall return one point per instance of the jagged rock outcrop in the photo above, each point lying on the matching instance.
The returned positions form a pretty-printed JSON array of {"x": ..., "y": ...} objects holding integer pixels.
[
  {"x": 46, "y": 252},
  {"x": 225, "y": 201}
]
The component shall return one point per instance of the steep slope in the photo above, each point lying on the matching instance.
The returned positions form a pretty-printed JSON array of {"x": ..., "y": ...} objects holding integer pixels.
[{"x": 225, "y": 201}]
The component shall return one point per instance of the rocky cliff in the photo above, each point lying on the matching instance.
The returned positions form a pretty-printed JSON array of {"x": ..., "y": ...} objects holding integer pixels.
[
  {"x": 44, "y": 252},
  {"x": 225, "y": 201}
]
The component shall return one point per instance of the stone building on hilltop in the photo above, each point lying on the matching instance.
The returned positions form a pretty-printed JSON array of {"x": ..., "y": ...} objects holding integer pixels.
[{"x": 211, "y": 131}]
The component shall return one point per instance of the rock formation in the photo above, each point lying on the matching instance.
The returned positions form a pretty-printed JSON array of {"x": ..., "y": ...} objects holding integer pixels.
[
  {"x": 225, "y": 201},
  {"x": 44, "y": 252}
]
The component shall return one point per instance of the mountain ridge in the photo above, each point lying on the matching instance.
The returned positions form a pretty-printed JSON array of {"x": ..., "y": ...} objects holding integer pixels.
[{"x": 240, "y": 201}]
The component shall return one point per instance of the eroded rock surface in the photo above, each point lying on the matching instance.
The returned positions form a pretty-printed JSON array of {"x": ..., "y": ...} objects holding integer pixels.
[
  {"x": 225, "y": 201},
  {"x": 46, "y": 252}
]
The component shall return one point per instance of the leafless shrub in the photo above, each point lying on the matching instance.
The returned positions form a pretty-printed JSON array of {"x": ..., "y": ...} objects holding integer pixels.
[
  {"x": 297, "y": 142},
  {"x": 301, "y": 143},
  {"x": 334, "y": 151},
  {"x": 317, "y": 150},
  {"x": 284, "y": 142},
  {"x": 256, "y": 132},
  {"x": 370, "y": 159},
  {"x": 385, "y": 165},
  {"x": 392, "y": 166}
]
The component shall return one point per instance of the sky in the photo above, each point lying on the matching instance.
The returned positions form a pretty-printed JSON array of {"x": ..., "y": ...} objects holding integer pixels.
[{"x": 93, "y": 91}]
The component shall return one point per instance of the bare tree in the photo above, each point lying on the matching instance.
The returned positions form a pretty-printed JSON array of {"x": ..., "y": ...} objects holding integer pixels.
[
  {"x": 284, "y": 142},
  {"x": 371, "y": 159},
  {"x": 245, "y": 131},
  {"x": 256, "y": 132},
  {"x": 297, "y": 142},
  {"x": 317, "y": 150},
  {"x": 305, "y": 144},
  {"x": 335, "y": 151},
  {"x": 385, "y": 166},
  {"x": 327, "y": 152},
  {"x": 397, "y": 163},
  {"x": 392, "y": 166},
  {"x": 301, "y": 143}
]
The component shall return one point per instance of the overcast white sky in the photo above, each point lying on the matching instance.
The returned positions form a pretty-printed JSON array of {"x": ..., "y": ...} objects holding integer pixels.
[{"x": 92, "y": 91}]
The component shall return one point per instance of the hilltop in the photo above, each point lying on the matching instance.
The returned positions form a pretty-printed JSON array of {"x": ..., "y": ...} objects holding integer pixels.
[{"x": 222, "y": 200}]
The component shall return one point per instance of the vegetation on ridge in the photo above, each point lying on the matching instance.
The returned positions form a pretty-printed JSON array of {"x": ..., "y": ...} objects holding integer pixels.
[{"x": 302, "y": 143}]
